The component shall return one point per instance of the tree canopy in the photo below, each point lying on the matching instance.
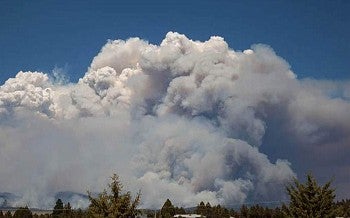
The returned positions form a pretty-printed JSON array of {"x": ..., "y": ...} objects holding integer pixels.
[
  {"x": 114, "y": 203},
  {"x": 310, "y": 199},
  {"x": 58, "y": 209},
  {"x": 168, "y": 210}
]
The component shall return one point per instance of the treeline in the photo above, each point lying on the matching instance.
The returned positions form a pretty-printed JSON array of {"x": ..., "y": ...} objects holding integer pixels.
[
  {"x": 306, "y": 200},
  {"x": 168, "y": 210},
  {"x": 25, "y": 212},
  {"x": 341, "y": 208}
]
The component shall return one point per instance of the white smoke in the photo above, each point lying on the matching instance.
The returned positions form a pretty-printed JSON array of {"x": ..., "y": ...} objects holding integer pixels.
[{"x": 185, "y": 120}]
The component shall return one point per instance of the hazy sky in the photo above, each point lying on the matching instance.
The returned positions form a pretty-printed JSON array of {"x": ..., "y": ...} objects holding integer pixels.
[{"x": 312, "y": 36}]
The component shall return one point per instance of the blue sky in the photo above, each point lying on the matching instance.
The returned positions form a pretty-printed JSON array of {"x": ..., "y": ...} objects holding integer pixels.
[{"x": 313, "y": 36}]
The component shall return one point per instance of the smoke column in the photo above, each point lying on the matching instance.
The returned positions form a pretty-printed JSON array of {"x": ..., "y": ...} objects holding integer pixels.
[{"x": 187, "y": 120}]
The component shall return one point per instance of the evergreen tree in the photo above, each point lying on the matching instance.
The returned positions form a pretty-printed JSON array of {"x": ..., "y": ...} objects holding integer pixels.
[
  {"x": 268, "y": 212},
  {"x": 168, "y": 210},
  {"x": 67, "y": 210},
  {"x": 208, "y": 210},
  {"x": 180, "y": 210},
  {"x": 310, "y": 199},
  {"x": 244, "y": 211},
  {"x": 343, "y": 208},
  {"x": 255, "y": 211},
  {"x": 58, "y": 209},
  {"x": 278, "y": 213},
  {"x": 114, "y": 203},
  {"x": 233, "y": 213},
  {"x": 79, "y": 214},
  {"x": 219, "y": 212},
  {"x": 201, "y": 209}
]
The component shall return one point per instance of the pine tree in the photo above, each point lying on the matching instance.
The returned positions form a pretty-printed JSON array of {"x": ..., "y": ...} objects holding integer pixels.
[
  {"x": 114, "y": 203},
  {"x": 244, "y": 211},
  {"x": 201, "y": 209},
  {"x": 168, "y": 210},
  {"x": 208, "y": 210},
  {"x": 343, "y": 208},
  {"x": 233, "y": 213},
  {"x": 58, "y": 209},
  {"x": 67, "y": 210},
  {"x": 180, "y": 210},
  {"x": 310, "y": 199},
  {"x": 278, "y": 213}
]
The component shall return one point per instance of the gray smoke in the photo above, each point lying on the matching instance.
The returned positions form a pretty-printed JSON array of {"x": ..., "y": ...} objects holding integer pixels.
[{"x": 187, "y": 120}]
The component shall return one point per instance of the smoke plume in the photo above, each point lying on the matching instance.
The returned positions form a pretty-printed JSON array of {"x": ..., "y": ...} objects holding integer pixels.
[{"x": 187, "y": 120}]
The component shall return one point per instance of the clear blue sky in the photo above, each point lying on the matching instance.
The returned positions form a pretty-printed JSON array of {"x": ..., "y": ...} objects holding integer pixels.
[{"x": 313, "y": 36}]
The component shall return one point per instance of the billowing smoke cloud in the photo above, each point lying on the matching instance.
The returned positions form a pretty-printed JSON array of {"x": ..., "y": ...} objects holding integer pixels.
[{"x": 187, "y": 120}]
